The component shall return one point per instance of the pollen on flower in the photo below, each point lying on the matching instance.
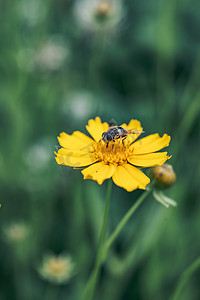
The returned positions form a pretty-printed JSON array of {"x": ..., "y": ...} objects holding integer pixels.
[{"x": 113, "y": 152}]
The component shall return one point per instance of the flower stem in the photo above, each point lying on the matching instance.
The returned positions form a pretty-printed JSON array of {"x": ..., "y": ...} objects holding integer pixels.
[
  {"x": 91, "y": 285},
  {"x": 185, "y": 277},
  {"x": 51, "y": 292},
  {"x": 122, "y": 223}
]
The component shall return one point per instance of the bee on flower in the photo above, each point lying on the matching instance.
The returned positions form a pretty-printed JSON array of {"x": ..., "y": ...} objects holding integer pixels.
[
  {"x": 100, "y": 15},
  {"x": 118, "y": 158},
  {"x": 57, "y": 269}
]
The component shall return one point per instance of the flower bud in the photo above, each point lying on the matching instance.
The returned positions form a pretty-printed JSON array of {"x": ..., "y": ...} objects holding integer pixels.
[
  {"x": 103, "y": 10},
  {"x": 164, "y": 176},
  {"x": 17, "y": 232}
]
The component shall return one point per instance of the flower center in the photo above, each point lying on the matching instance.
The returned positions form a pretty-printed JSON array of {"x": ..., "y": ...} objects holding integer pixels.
[
  {"x": 57, "y": 266},
  {"x": 114, "y": 152},
  {"x": 103, "y": 10}
]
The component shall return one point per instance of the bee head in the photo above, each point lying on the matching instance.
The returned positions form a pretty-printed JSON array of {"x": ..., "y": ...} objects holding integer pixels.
[{"x": 106, "y": 137}]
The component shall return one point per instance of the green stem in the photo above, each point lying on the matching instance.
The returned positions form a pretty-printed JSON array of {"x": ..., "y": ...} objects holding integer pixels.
[
  {"x": 185, "y": 277},
  {"x": 124, "y": 220},
  {"x": 51, "y": 292},
  {"x": 91, "y": 285}
]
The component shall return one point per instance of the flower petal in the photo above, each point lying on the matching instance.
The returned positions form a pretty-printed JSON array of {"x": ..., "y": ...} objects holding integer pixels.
[
  {"x": 96, "y": 128},
  {"x": 73, "y": 159},
  {"x": 133, "y": 125},
  {"x": 99, "y": 172},
  {"x": 151, "y": 143},
  {"x": 130, "y": 178},
  {"x": 77, "y": 140},
  {"x": 75, "y": 153},
  {"x": 148, "y": 160}
]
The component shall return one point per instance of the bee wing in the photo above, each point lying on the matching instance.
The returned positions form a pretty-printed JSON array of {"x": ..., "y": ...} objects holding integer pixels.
[
  {"x": 134, "y": 131},
  {"x": 112, "y": 123}
]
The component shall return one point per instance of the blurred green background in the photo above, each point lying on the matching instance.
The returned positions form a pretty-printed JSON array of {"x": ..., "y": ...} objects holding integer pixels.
[{"x": 62, "y": 63}]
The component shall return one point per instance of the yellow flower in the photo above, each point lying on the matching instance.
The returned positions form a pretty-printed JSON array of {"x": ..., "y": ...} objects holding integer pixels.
[{"x": 120, "y": 160}]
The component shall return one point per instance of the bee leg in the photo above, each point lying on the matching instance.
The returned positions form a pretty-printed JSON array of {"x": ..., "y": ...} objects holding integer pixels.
[
  {"x": 123, "y": 140},
  {"x": 120, "y": 140},
  {"x": 107, "y": 145},
  {"x": 113, "y": 144}
]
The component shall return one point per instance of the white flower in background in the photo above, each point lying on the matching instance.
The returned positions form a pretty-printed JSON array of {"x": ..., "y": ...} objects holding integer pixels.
[
  {"x": 57, "y": 269},
  {"x": 79, "y": 105},
  {"x": 38, "y": 160},
  {"x": 16, "y": 232},
  {"x": 47, "y": 57},
  {"x": 99, "y": 14},
  {"x": 51, "y": 55},
  {"x": 39, "y": 154}
]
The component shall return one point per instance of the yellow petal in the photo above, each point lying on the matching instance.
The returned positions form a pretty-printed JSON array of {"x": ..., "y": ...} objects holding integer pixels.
[
  {"x": 96, "y": 128},
  {"x": 77, "y": 140},
  {"x": 75, "y": 152},
  {"x": 149, "y": 160},
  {"x": 134, "y": 125},
  {"x": 151, "y": 143},
  {"x": 130, "y": 178},
  {"x": 73, "y": 159},
  {"x": 99, "y": 172}
]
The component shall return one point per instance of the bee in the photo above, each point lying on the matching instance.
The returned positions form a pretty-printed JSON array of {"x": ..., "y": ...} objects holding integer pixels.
[{"x": 117, "y": 132}]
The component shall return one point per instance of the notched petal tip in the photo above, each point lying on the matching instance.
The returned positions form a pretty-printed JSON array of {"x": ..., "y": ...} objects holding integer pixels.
[
  {"x": 167, "y": 138},
  {"x": 63, "y": 135},
  {"x": 151, "y": 143},
  {"x": 58, "y": 160},
  {"x": 95, "y": 128},
  {"x": 130, "y": 178}
]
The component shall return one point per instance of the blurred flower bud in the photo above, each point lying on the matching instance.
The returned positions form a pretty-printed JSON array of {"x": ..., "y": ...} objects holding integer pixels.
[
  {"x": 16, "y": 233},
  {"x": 57, "y": 269},
  {"x": 78, "y": 105},
  {"x": 164, "y": 176},
  {"x": 103, "y": 10},
  {"x": 51, "y": 55},
  {"x": 99, "y": 15}
]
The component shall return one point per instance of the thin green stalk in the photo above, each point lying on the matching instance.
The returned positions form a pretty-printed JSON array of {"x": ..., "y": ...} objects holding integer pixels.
[
  {"x": 91, "y": 285},
  {"x": 166, "y": 43},
  {"x": 124, "y": 220},
  {"x": 185, "y": 277},
  {"x": 51, "y": 292},
  {"x": 192, "y": 85}
]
